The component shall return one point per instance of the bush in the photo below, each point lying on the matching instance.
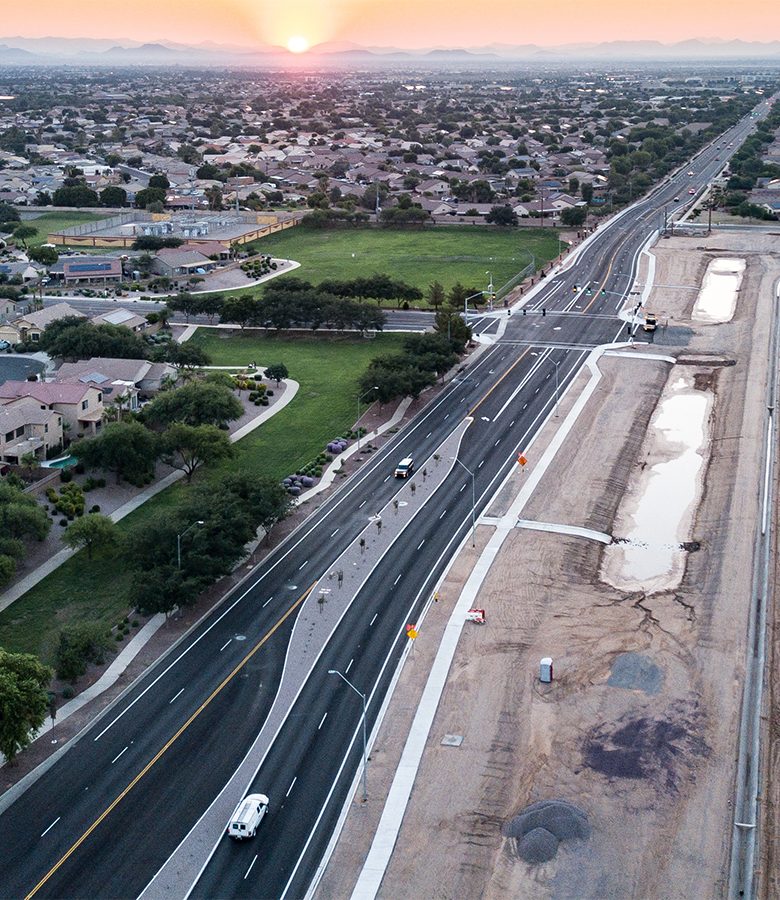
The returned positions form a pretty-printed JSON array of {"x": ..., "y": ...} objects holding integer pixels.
[
  {"x": 120, "y": 636},
  {"x": 79, "y": 468},
  {"x": 66, "y": 475},
  {"x": 95, "y": 508},
  {"x": 82, "y": 645},
  {"x": 134, "y": 623},
  {"x": 68, "y": 692},
  {"x": 63, "y": 522},
  {"x": 269, "y": 393}
]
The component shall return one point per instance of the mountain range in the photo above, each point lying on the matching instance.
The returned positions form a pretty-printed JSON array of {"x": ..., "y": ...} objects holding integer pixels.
[{"x": 16, "y": 51}]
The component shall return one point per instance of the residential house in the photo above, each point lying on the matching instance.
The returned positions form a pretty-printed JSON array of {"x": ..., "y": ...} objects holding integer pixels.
[
  {"x": 125, "y": 318},
  {"x": 80, "y": 405},
  {"x": 26, "y": 426},
  {"x": 28, "y": 327},
  {"x": 175, "y": 262},
  {"x": 117, "y": 376},
  {"x": 86, "y": 269}
]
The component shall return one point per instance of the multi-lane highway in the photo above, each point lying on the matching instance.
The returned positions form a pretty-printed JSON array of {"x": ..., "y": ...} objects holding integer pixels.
[{"x": 103, "y": 819}]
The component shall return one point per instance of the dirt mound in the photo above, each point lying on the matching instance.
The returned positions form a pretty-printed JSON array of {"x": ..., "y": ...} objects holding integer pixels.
[{"x": 540, "y": 827}]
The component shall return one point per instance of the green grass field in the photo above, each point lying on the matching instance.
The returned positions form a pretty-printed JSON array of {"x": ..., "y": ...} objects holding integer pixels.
[
  {"x": 445, "y": 253},
  {"x": 324, "y": 407},
  {"x": 50, "y": 222}
]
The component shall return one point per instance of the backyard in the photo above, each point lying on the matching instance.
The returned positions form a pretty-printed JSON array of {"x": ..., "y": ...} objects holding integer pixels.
[{"x": 324, "y": 407}]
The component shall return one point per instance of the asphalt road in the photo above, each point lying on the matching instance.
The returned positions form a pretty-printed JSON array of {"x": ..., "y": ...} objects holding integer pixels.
[{"x": 104, "y": 818}]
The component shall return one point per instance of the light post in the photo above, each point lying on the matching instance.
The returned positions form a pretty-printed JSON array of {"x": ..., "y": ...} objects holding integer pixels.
[
  {"x": 473, "y": 503},
  {"x": 363, "y": 698},
  {"x": 490, "y": 289},
  {"x": 180, "y": 536},
  {"x": 466, "y": 303},
  {"x": 556, "y": 363},
  {"x": 374, "y": 388}
]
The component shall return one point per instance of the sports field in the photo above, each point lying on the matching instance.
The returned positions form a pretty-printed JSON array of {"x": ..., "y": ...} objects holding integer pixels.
[{"x": 468, "y": 254}]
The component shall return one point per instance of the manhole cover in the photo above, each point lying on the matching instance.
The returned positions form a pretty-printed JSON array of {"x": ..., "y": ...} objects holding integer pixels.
[{"x": 240, "y": 637}]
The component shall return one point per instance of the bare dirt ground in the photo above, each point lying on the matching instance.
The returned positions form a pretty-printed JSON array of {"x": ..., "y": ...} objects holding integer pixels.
[{"x": 638, "y": 730}]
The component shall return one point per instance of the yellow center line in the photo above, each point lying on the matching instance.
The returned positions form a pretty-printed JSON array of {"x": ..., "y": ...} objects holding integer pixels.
[
  {"x": 176, "y": 736},
  {"x": 604, "y": 280},
  {"x": 482, "y": 400}
]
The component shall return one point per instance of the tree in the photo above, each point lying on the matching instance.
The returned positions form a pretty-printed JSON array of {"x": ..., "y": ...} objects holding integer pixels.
[
  {"x": 501, "y": 215},
  {"x": 125, "y": 448},
  {"x": 573, "y": 216},
  {"x": 183, "y": 356},
  {"x": 76, "y": 337},
  {"x": 451, "y": 323},
  {"x": 159, "y": 181},
  {"x": 436, "y": 294},
  {"x": 44, "y": 255},
  {"x": 240, "y": 310},
  {"x": 113, "y": 196},
  {"x": 587, "y": 192},
  {"x": 162, "y": 590},
  {"x": 79, "y": 646},
  {"x": 90, "y": 531},
  {"x": 196, "y": 403},
  {"x": 185, "y": 303},
  {"x": 149, "y": 195},
  {"x": 23, "y": 233},
  {"x": 210, "y": 305},
  {"x": 23, "y": 701},
  {"x": 75, "y": 195},
  {"x": 278, "y": 372},
  {"x": 21, "y": 518},
  {"x": 189, "y": 447}
]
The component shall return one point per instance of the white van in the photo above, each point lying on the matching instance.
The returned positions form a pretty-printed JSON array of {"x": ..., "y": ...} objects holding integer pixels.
[{"x": 247, "y": 816}]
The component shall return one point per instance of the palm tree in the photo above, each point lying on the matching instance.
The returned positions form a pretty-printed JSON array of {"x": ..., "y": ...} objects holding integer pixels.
[{"x": 30, "y": 461}]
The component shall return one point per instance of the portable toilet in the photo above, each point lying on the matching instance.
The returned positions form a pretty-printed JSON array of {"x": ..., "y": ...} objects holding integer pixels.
[{"x": 546, "y": 670}]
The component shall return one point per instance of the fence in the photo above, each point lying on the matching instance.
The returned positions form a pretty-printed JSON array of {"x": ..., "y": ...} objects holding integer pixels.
[{"x": 528, "y": 270}]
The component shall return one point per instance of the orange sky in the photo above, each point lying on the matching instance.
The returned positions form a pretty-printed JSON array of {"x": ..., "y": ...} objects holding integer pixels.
[{"x": 403, "y": 23}]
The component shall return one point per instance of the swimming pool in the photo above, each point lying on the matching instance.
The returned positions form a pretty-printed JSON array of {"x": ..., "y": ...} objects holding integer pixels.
[{"x": 61, "y": 463}]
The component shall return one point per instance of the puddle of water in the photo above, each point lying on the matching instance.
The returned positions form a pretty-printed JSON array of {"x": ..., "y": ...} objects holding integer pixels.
[
  {"x": 658, "y": 519},
  {"x": 718, "y": 297}
]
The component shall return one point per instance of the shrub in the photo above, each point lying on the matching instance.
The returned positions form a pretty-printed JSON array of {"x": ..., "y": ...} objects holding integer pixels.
[
  {"x": 79, "y": 468},
  {"x": 120, "y": 636},
  {"x": 82, "y": 645},
  {"x": 63, "y": 522},
  {"x": 134, "y": 623},
  {"x": 66, "y": 475},
  {"x": 68, "y": 692},
  {"x": 95, "y": 508},
  {"x": 264, "y": 401},
  {"x": 269, "y": 393}
]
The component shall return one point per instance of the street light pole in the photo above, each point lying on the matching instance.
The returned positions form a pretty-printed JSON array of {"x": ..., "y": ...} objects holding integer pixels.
[
  {"x": 180, "y": 536},
  {"x": 473, "y": 504},
  {"x": 374, "y": 388},
  {"x": 363, "y": 698}
]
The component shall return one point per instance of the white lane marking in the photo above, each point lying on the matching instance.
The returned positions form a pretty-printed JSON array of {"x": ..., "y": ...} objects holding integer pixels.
[
  {"x": 250, "y": 866},
  {"x": 115, "y": 759},
  {"x": 446, "y": 417},
  {"x": 225, "y": 644},
  {"x": 512, "y": 423},
  {"x": 335, "y": 532},
  {"x": 53, "y": 824},
  {"x": 524, "y": 405},
  {"x": 443, "y": 514},
  {"x": 497, "y": 442},
  {"x": 428, "y": 435},
  {"x": 362, "y": 504},
  {"x": 386, "y": 479},
  {"x": 373, "y": 620},
  {"x": 397, "y": 580},
  {"x": 302, "y": 565},
  {"x": 173, "y": 698},
  {"x": 291, "y": 786},
  {"x": 481, "y": 464},
  {"x": 349, "y": 666},
  {"x": 267, "y": 601},
  {"x": 322, "y": 722},
  {"x": 461, "y": 400},
  {"x": 463, "y": 488},
  {"x": 421, "y": 543}
]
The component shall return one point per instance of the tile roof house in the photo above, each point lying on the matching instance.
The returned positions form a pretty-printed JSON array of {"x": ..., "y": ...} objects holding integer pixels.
[
  {"x": 29, "y": 326},
  {"x": 27, "y": 427},
  {"x": 116, "y": 375},
  {"x": 173, "y": 262},
  {"x": 80, "y": 405}
]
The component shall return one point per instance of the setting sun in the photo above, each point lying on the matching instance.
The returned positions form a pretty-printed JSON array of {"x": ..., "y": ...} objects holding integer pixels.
[{"x": 297, "y": 44}]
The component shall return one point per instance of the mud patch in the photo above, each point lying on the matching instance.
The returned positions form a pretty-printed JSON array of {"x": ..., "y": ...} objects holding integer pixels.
[{"x": 661, "y": 749}]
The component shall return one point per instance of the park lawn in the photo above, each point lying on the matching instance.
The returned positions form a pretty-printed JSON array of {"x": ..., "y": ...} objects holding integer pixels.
[
  {"x": 50, "y": 222},
  {"x": 419, "y": 257},
  {"x": 324, "y": 407},
  {"x": 327, "y": 370}
]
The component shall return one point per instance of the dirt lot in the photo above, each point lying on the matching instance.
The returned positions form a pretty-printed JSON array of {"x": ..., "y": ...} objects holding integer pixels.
[{"x": 638, "y": 729}]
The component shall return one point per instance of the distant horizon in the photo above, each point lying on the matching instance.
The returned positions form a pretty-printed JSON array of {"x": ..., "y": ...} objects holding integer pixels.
[{"x": 403, "y": 24}]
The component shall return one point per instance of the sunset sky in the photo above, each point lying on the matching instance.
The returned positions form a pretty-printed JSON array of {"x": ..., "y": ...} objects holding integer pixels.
[{"x": 403, "y": 23}]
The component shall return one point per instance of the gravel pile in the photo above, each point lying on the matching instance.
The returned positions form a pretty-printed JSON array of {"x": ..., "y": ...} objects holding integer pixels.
[{"x": 540, "y": 828}]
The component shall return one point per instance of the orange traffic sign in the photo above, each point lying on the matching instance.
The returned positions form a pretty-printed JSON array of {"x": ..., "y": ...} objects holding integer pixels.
[{"x": 521, "y": 459}]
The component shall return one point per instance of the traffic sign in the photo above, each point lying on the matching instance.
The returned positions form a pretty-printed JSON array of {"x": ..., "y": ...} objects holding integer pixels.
[{"x": 521, "y": 459}]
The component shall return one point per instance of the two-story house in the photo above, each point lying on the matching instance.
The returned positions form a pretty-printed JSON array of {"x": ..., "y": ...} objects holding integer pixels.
[
  {"x": 28, "y": 427},
  {"x": 80, "y": 405}
]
